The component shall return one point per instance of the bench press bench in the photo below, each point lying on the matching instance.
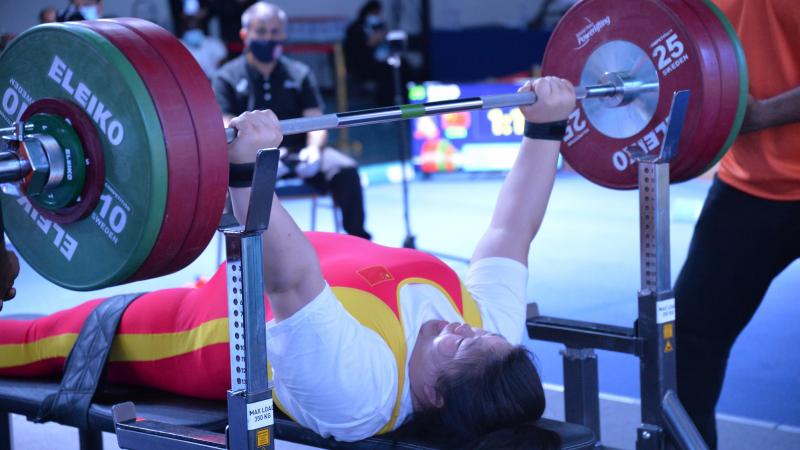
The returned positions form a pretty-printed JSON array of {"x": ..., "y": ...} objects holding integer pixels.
[
  {"x": 160, "y": 420},
  {"x": 25, "y": 397}
]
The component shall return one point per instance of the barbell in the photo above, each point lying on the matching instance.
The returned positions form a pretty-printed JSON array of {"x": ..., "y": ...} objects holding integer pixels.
[{"x": 116, "y": 169}]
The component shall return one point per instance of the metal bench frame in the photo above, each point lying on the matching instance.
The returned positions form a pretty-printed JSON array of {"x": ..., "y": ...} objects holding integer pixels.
[{"x": 664, "y": 421}]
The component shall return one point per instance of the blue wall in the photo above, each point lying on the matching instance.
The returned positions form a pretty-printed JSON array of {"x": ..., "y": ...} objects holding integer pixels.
[{"x": 478, "y": 53}]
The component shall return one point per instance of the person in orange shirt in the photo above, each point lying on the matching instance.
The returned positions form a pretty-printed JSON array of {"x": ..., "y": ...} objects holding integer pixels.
[{"x": 748, "y": 229}]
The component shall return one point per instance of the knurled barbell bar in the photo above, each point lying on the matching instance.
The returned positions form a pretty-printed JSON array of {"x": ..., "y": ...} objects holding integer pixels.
[
  {"x": 622, "y": 90},
  {"x": 117, "y": 140}
]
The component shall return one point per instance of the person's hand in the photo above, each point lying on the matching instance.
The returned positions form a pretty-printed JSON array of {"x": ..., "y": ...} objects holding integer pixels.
[
  {"x": 9, "y": 269},
  {"x": 755, "y": 116},
  {"x": 256, "y": 130},
  {"x": 377, "y": 37},
  {"x": 555, "y": 100},
  {"x": 310, "y": 161}
]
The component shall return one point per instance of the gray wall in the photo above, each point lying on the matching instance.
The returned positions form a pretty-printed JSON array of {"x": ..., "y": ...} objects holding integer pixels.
[{"x": 19, "y": 15}]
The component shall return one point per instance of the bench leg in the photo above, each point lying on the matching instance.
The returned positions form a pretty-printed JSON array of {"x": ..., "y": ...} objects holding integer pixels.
[
  {"x": 91, "y": 440},
  {"x": 581, "y": 390},
  {"x": 337, "y": 217},
  {"x": 5, "y": 431}
]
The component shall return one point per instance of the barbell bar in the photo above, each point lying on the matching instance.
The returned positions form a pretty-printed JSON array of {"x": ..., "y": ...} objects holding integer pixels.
[{"x": 626, "y": 90}]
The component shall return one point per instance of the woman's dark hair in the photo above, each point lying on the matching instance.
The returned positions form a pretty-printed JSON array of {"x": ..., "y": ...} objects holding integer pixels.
[
  {"x": 372, "y": 6},
  {"x": 490, "y": 401}
]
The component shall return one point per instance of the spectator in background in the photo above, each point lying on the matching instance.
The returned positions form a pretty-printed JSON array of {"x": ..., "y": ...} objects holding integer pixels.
[
  {"x": 229, "y": 13},
  {"x": 262, "y": 78},
  {"x": 208, "y": 51},
  {"x": 185, "y": 10},
  {"x": 549, "y": 14},
  {"x": 366, "y": 51},
  {"x": 48, "y": 14},
  {"x": 82, "y": 10}
]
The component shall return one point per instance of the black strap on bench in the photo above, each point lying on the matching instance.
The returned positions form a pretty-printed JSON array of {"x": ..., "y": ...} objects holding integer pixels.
[{"x": 85, "y": 365}]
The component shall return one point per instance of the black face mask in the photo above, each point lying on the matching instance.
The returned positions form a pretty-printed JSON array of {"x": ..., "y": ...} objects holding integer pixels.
[{"x": 265, "y": 50}]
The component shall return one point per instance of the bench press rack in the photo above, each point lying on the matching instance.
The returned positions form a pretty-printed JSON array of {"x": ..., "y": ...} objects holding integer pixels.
[
  {"x": 665, "y": 424},
  {"x": 250, "y": 407},
  {"x": 248, "y": 419},
  {"x": 250, "y": 410},
  {"x": 250, "y": 416}
]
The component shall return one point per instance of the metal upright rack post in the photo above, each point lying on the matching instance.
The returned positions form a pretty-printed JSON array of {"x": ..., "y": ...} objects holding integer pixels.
[
  {"x": 656, "y": 323},
  {"x": 250, "y": 406},
  {"x": 665, "y": 423},
  {"x": 656, "y": 299}
]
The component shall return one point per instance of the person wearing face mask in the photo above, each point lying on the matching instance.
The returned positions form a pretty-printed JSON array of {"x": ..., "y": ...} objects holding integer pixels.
[
  {"x": 48, "y": 14},
  {"x": 366, "y": 51},
  {"x": 262, "y": 78},
  {"x": 188, "y": 14},
  {"x": 208, "y": 51},
  {"x": 362, "y": 339},
  {"x": 82, "y": 10}
]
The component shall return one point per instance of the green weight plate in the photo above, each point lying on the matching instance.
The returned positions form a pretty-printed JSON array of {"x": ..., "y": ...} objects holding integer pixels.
[
  {"x": 75, "y": 163},
  {"x": 76, "y": 64},
  {"x": 744, "y": 84}
]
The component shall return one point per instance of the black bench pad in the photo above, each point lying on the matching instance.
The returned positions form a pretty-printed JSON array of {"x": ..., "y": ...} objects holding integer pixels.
[
  {"x": 25, "y": 396},
  {"x": 573, "y": 437}
]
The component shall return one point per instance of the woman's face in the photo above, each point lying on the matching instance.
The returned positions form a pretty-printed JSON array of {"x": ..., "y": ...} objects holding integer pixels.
[
  {"x": 458, "y": 340},
  {"x": 440, "y": 343}
]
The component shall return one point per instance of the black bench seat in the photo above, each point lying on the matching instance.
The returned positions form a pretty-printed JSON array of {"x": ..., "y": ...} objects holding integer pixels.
[{"x": 24, "y": 397}]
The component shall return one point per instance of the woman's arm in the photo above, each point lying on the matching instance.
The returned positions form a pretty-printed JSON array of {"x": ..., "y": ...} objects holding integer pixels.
[
  {"x": 526, "y": 190},
  {"x": 315, "y": 342},
  {"x": 292, "y": 275}
]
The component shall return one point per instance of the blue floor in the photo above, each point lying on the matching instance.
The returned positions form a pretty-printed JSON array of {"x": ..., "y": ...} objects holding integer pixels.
[{"x": 584, "y": 266}]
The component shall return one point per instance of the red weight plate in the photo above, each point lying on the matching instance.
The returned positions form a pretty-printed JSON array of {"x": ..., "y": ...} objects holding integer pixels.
[
  {"x": 665, "y": 43},
  {"x": 729, "y": 79},
  {"x": 180, "y": 142},
  {"x": 212, "y": 145},
  {"x": 92, "y": 151},
  {"x": 696, "y": 155}
]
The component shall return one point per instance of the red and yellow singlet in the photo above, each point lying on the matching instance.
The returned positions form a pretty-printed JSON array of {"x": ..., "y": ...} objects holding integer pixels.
[{"x": 176, "y": 340}]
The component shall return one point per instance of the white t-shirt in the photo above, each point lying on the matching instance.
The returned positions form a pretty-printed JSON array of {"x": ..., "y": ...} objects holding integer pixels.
[{"x": 339, "y": 378}]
